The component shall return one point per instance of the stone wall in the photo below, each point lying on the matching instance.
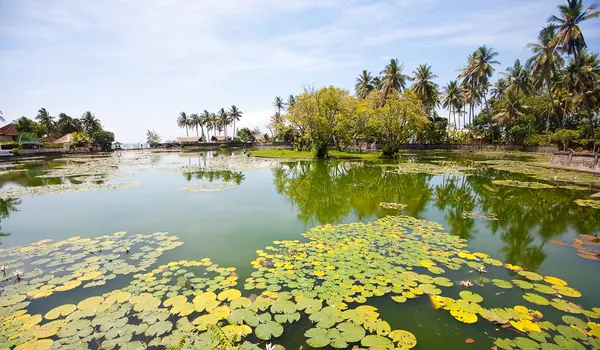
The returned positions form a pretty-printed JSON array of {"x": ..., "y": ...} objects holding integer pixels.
[{"x": 582, "y": 161}]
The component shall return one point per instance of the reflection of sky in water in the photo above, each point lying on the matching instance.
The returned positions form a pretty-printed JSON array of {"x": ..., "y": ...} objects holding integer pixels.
[{"x": 229, "y": 226}]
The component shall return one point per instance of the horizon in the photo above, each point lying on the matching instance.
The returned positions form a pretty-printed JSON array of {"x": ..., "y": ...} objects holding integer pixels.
[{"x": 115, "y": 58}]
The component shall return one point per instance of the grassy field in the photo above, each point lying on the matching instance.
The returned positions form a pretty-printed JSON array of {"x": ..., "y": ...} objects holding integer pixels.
[{"x": 293, "y": 154}]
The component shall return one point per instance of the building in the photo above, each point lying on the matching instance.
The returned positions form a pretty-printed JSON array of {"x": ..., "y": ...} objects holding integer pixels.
[
  {"x": 220, "y": 139},
  {"x": 258, "y": 137},
  {"x": 8, "y": 133},
  {"x": 65, "y": 139},
  {"x": 194, "y": 140}
]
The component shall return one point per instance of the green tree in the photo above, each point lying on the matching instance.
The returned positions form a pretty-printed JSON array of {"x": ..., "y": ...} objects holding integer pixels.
[
  {"x": 195, "y": 121},
  {"x": 183, "y": 121},
  {"x": 66, "y": 124},
  {"x": 278, "y": 104},
  {"x": 364, "y": 84},
  {"x": 80, "y": 139},
  {"x": 90, "y": 123},
  {"x": 234, "y": 115},
  {"x": 519, "y": 78},
  {"x": 224, "y": 120},
  {"x": 152, "y": 138},
  {"x": 499, "y": 88},
  {"x": 392, "y": 78},
  {"x": 290, "y": 102},
  {"x": 25, "y": 124},
  {"x": 452, "y": 100},
  {"x": 246, "y": 135},
  {"x": 424, "y": 87},
  {"x": 399, "y": 121},
  {"x": 45, "y": 119},
  {"x": 104, "y": 139},
  {"x": 509, "y": 109},
  {"x": 205, "y": 121},
  {"x": 545, "y": 63}
]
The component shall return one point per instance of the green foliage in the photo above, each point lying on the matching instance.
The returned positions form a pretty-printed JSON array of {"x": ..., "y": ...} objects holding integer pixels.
[
  {"x": 103, "y": 139},
  {"x": 50, "y": 145},
  {"x": 80, "y": 139},
  {"x": 25, "y": 124},
  {"x": 9, "y": 145},
  {"x": 245, "y": 135},
  {"x": 565, "y": 137},
  {"x": 152, "y": 138}
]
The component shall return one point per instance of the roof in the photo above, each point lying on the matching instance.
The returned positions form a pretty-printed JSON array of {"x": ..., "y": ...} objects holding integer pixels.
[
  {"x": 64, "y": 139},
  {"x": 9, "y": 130},
  {"x": 188, "y": 139},
  {"x": 220, "y": 138},
  {"x": 258, "y": 136}
]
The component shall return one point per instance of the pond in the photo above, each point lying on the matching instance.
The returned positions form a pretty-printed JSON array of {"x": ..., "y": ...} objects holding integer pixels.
[{"x": 441, "y": 250}]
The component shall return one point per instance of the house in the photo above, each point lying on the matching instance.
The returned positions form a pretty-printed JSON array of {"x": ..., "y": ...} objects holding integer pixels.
[
  {"x": 8, "y": 133},
  {"x": 65, "y": 139},
  {"x": 188, "y": 140},
  {"x": 258, "y": 137},
  {"x": 220, "y": 139}
]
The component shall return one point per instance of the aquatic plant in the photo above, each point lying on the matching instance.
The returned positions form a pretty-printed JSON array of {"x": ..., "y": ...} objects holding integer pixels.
[
  {"x": 396, "y": 206},
  {"x": 592, "y": 203},
  {"x": 17, "y": 273},
  {"x": 18, "y": 192},
  {"x": 523, "y": 184},
  {"x": 478, "y": 215}
]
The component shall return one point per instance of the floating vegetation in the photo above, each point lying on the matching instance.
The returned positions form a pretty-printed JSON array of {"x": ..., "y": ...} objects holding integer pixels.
[
  {"x": 541, "y": 171},
  {"x": 587, "y": 246},
  {"x": 480, "y": 216},
  {"x": 592, "y": 203},
  {"x": 18, "y": 192},
  {"x": 522, "y": 184},
  {"x": 442, "y": 167},
  {"x": 232, "y": 163},
  {"x": 207, "y": 186},
  {"x": 319, "y": 283},
  {"x": 396, "y": 206}
]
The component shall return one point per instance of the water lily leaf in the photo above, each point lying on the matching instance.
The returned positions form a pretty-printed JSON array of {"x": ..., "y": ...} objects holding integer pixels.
[
  {"x": 470, "y": 297},
  {"x": 383, "y": 328},
  {"x": 526, "y": 325},
  {"x": 464, "y": 316},
  {"x": 542, "y": 288},
  {"x": 309, "y": 305},
  {"x": 229, "y": 295},
  {"x": 63, "y": 310},
  {"x": 317, "y": 337},
  {"x": 49, "y": 329},
  {"x": 268, "y": 330},
  {"x": 377, "y": 342},
  {"x": 206, "y": 301},
  {"x": 525, "y": 343},
  {"x": 42, "y": 344},
  {"x": 240, "y": 316},
  {"x": 221, "y": 312},
  {"x": 555, "y": 281},
  {"x": 536, "y": 299},
  {"x": 532, "y": 276},
  {"x": 523, "y": 284},
  {"x": 404, "y": 339},
  {"x": 566, "y": 306},
  {"x": 502, "y": 284},
  {"x": 236, "y": 332},
  {"x": 239, "y": 303},
  {"x": 566, "y": 343},
  {"x": 144, "y": 302},
  {"x": 568, "y": 291},
  {"x": 351, "y": 332}
]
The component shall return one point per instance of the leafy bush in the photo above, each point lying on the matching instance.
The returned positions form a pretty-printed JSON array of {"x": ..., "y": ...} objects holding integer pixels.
[
  {"x": 565, "y": 137},
  {"x": 537, "y": 140},
  {"x": 9, "y": 145},
  {"x": 103, "y": 139},
  {"x": 15, "y": 151},
  {"x": 80, "y": 139}
]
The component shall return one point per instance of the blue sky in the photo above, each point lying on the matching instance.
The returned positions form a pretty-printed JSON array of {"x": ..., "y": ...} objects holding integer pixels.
[{"x": 137, "y": 64}]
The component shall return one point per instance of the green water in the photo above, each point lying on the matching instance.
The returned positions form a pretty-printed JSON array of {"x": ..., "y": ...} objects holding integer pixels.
[{"x": 282, "y": 203}]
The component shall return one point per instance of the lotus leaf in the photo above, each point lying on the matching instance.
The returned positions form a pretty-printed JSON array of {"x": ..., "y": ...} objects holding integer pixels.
[
  {"x": 63, "y": 310},
  {"x": 317, "y": 337},
  {"x": 502, "y": 284},
  {"x": 229, "y": 295},
  {"x": 532, "y": 276},
  {"x": 403, "y": 339},
  {"x": 470, "y": 297},
  {"x": 566, "y": 306},
  {"x": 42, "y": 344},
  {"x": 536, "y": 299},
  {"x": 268, "y": 330},
  {"x": 377, "y": 342}
]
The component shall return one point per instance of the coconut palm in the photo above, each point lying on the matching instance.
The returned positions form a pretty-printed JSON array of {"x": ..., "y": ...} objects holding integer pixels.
[
  {"x": 471, "y": 97},
  {"x": 509, "y": 109},
  {"x": 183, "y": 121},
  {"x": 364, "y": 84},
  {"x": 66, "y": 125},
  {"x": 90, "y": 123},
  {"x": 545, "y": 63},
  {"x": 392, "y": 78},
  {"x": 2, "y": 117},
  {"x": 45, "y": 119},
  {"x": 204, "y": 122},
  {"x": 452, "y": 99},
  {"x": 278, "y": 103},
  {"x": 291, "y": 101},
  {"x": 223, "y": 120},
  {"x": 234, "y": 115},
  {"x": 570, "y": 37},
  {"x": 499, "y": 88},
  {"x": 424, "y": 87},
  {"x": 582, "y": 76},
  {"x": 377, "y": 83},
  {"x": 195, "y": 121},
  {"x": 518, "y": 77}
]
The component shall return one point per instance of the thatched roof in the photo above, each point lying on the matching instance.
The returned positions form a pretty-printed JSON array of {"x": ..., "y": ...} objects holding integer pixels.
[
  {"x": 220, "y": 138},
  {"x": 193, "y": 139},
  {"x": 65, "y": 138},
  {"x": 259, "y": 137}
]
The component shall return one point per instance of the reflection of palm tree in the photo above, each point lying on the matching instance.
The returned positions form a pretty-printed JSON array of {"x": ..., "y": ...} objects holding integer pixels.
[{"x": 7, "y": 206}]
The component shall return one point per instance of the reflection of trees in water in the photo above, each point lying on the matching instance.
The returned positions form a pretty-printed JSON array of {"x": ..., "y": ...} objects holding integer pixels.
[
  {"x": 7, "y": 206},
  {"x": 223, "y": 175},
  {"x": 327, "y": 192}
]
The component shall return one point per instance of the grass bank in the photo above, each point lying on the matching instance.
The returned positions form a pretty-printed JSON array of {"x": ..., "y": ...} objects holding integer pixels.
[{"x": 293, "y": 154}]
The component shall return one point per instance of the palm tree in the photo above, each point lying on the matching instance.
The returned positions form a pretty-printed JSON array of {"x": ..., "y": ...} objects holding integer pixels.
[
  {"x": 224, "y": 121},
  {"x": 518, "y": 77},
  {"x": 425, "y": 89},
  {"x": 195, "y": 121},
  {"x": 364, "y": 84},
  {"x": 205, "y": 121},
  {"x": 509, "y": 109},
  {"x": 545, "y": 63},
  {"x": 582, "y": 76},
  {"x": 2, "y": 117},
  {"x": 90, "y": 123},
  {"x": 290, "y": 102},
  {"x": 45, "y": 119},
  {"x": 570, "y": 37},
  {"x": 66, "y": 125},
  {"x": 278, "y": 103},
  {"x": 452, "y": 99},
  {"x": 499, "y": 88},
  {"x": 393, "y": 79},
  {"x": 377, "y": 83},
  {"x": 234, "y": 115},
  {"x": 471, "y": 97},
  {"x": 183, "y": 121}
]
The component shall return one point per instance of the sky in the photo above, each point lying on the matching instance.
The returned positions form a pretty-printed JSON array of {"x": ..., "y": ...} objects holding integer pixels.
[{"x": 137, "y": 64}]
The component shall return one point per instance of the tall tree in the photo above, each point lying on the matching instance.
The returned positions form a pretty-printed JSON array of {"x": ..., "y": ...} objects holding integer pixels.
[
  {"x": 452, "y": 99},
  {"x": 499, "y": 88},
  {"x": 278, "y": 103},
  {"x": 392, "y": 78},
  {"x": 183, "y": 121},
  {"x": 518, "y": 78},
  {"x": 90, "y": 123},
  {"x": 66, "y": 124},
  {"x": 364, "y": 84},
  {"x": 571, "y": 40},
  {"x": 195, "y": 122},
  {"x": 234, "y": 115},
  {"x": 204, "y": 122},
  {"x": 377, "y": 83},
  {"x": 509, "y": 109},
  {"x": 291, "y": 101},
  {"x": 545, "y": 63},
  {"x": 2, "y": 117},
  {"x": 471, "y": 97},
  {"x": 424, "y": 87},
  {"x": 224, "y": 120},
  {"x": 45, "y": 119}
]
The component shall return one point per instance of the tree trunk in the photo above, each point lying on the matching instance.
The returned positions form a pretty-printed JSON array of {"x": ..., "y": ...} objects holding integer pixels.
[
  {"x": 554, "y": 110},
  {"x": 490, "y": 114},
  {"x": 234, "y": 128},
  {"x": 186, "y": 132},
  {"x": 197, "y": 131},
  {"x": 586, "y": 103}
]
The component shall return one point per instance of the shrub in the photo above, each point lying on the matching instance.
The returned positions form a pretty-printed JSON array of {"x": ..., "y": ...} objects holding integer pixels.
[
  {"x": 53, "y": 145},
  {"x": 565, "y": 137},
  {"x": 15, "y": 151},
  {"x": 103, "y": 139},
  {"x": 9, "y": 145}
]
